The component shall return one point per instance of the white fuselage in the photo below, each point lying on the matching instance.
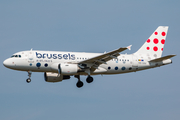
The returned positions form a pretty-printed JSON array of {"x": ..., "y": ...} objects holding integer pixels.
[{"x": 42, "y": 61}]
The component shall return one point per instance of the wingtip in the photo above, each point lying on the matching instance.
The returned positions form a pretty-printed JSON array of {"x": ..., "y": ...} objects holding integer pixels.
[{"x": 129, "y": 47}]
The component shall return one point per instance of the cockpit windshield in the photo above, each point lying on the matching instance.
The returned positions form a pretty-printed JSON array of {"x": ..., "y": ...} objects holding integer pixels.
[{"x": 17, "y": 56}]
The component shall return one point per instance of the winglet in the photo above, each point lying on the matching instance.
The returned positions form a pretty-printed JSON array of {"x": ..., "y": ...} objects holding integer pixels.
[{"x": 129, "y": 47}]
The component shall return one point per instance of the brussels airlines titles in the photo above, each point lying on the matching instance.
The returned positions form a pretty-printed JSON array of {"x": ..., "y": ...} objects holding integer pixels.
[{"x": 56, "y": 56}]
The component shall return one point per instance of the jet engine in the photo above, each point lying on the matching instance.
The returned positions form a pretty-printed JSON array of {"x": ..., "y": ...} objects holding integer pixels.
[
  {"x": 54, "y": 77},
  {"x": 65, "y": 68}
]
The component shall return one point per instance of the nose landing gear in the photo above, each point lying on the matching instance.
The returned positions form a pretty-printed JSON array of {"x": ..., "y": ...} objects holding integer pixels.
[{"x": 29, "y": 79}]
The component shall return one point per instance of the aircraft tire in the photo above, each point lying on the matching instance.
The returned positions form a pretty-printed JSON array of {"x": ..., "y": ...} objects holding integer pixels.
[
  {"x": 89, "y": 79},
  {"x": 79, "y": 84},
  {"x": 28, "y": 80}
]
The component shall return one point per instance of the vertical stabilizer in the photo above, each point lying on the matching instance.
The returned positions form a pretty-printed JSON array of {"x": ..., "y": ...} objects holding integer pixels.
[{"x": 155, "y": 43}]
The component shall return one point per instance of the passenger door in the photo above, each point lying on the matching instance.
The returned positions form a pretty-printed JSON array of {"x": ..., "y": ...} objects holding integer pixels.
[{"x": 31, "y": 57}]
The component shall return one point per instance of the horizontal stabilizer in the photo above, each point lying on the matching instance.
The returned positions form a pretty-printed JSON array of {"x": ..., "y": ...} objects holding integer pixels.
[{"x": 162, "y": 58}]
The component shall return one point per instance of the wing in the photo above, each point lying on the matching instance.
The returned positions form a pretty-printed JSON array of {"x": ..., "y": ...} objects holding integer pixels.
[{"x": 102, "y": 59}]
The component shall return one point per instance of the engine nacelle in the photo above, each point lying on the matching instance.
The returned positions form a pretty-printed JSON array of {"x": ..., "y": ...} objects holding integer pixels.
[
  {"x": 69, "y": 69},
  {"x": 65, "y": 68},
  {"x": 53, "y": 77}
]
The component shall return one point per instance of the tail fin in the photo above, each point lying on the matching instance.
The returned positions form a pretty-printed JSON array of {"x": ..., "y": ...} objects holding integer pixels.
[{"x": 155, "y": 44}]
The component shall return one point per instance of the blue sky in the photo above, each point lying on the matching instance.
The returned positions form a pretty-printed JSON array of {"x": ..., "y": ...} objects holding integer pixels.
[{"x": 89, "y": 26}]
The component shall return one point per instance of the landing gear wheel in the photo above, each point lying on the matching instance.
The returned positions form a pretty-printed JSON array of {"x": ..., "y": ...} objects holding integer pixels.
[
  {"x": 79, "y": 84},
  {"x": 89, "y": 79},
  {"x": 28, "y": 80}
]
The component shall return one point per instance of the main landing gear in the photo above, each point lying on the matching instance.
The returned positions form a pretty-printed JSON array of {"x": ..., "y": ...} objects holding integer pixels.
[
  {"x": 79, "y": 84},
  {"x": 29, "y": 79},
  {"x": 89, "y": 79}
]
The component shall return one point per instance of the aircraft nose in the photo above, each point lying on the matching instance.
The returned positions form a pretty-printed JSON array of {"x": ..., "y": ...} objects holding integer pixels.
[{"x": 7, "y": 63}]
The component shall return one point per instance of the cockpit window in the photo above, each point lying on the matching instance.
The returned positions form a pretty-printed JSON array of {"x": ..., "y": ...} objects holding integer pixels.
[{"x": 17, "y": 56}]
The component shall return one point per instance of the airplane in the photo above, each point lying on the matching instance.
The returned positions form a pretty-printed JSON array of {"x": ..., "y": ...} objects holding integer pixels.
[{"x": 58, "y": 66}]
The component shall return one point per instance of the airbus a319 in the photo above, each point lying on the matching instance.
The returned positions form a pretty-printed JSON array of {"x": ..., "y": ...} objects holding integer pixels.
[{"x": 58, "y": 66}]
